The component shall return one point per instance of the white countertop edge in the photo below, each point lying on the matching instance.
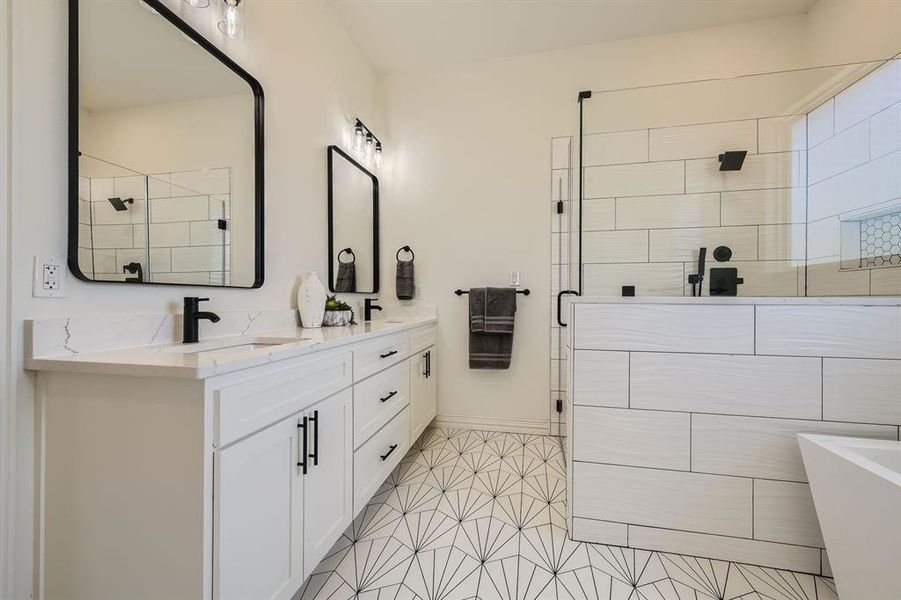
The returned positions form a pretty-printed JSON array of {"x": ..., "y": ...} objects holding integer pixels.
[
  {"x": 153, "y": 361},
  {"x": 767, "y": 300}
]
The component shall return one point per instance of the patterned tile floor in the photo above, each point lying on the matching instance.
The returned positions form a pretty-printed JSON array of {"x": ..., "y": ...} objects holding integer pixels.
[{"x": 477, "y": 514}]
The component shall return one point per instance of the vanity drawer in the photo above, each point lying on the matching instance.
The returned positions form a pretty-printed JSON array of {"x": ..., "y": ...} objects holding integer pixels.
[
  {"x": 277, "y": 392},
  {"x": 379, "y": 398},
  {"x": 422, "y": 338},
  {"x": 375, "y": 459},
  {"x": 379, "y": 354}
]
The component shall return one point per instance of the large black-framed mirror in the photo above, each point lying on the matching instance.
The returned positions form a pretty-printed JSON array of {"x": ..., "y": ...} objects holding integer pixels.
[
  {"x": 165, "y": 152},
  {"x": 353, "y": 225}
]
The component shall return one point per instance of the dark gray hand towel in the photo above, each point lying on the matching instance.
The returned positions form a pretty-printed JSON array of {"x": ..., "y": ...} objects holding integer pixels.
[
  {"x": 491, "y": 314},
  {"x": 404, "y": 283},
  {"x": 346, "y": 280}
]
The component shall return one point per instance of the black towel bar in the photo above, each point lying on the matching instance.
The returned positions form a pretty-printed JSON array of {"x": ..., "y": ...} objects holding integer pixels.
[{"x": 524, "y": 292}]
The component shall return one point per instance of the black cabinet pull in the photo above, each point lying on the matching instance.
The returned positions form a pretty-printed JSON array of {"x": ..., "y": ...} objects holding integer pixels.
[
  {"x": 390, "y": 450},
  {"x": 387, "y": 354},
  {"x": 425, "y": 365},
  {"x": 388, "y": 397},
  {"x": 302, "y": 432},
  {"x": 428, "y": 364},
  {"x": 315, "y": 421}
]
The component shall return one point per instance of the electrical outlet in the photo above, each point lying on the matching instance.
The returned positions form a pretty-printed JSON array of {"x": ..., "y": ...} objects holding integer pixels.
[
  {"x": 514, "y": 277},
  {"x": 49, "y": 278}
]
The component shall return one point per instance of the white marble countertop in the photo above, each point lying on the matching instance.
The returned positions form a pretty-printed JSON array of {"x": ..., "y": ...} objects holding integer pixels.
[
  {"x": 216, "y": 356},
  {"x": 773, "y": 300}
]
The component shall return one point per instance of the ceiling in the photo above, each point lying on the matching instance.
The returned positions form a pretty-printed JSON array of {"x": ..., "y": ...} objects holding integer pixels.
[
  {"x": 400, "y": 35},
  {"x": 130, "y": 56}
]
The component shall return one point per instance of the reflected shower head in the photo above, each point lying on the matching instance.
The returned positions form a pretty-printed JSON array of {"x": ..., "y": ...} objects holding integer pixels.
[
  {"x": 119, "y": 203},
  {"x": 732, "y": 160}
]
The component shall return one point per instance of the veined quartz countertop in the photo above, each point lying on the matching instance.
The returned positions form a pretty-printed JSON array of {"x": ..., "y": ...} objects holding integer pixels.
[
  {"x": 800, "y": 300},
  {"x": 216, "y": 356}
]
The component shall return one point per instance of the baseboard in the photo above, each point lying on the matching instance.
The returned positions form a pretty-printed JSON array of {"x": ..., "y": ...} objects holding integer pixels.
[{"x": 535, "y": 426}]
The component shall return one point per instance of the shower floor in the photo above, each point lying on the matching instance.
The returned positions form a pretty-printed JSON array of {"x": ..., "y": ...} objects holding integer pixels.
[{"x": 478, "y": 514}]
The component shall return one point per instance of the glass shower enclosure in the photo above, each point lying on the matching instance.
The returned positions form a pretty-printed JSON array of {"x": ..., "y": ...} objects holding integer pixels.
[{"x": 154, "y": 227}]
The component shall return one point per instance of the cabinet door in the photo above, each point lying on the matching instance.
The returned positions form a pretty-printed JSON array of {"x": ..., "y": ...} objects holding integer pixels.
[
  {"x": 258, "y": 516},
  {"x": 328, "y": 484},
  {"x": 423, "y": 391}
]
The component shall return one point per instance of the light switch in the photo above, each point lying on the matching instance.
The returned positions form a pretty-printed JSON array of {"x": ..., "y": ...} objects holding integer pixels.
[{"x": 49, "y": 277}]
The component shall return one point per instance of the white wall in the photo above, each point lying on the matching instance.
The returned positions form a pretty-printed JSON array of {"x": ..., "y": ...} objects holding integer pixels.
[
  {"x": 315, "y": 81},
  {"x": 470, "y": 159}
]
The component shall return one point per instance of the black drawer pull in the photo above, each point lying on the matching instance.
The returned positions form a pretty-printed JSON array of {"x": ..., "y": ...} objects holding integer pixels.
[
  {"x": 390, "y": 450},
  {"x": 387, "y": 354},
  {"x": 302, "y": 433},
  {"x": 315, "y": 421},
  {"x": 388, "y": 397}
]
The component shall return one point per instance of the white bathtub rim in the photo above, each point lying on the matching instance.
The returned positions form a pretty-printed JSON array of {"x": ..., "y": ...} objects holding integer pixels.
[{"x": 844, "y": 447}]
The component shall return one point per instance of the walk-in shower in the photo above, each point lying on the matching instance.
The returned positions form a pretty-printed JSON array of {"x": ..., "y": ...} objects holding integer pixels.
[
  {"x": 154, "y": 227},
  {"x": 792, "y": 181}
]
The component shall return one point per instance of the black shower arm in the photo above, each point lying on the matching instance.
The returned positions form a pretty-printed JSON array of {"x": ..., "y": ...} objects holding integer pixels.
[{"x": 560, "y": 304}]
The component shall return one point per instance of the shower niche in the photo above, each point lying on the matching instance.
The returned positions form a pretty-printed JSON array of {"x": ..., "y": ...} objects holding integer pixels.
[{"x": 165, "y": 152}]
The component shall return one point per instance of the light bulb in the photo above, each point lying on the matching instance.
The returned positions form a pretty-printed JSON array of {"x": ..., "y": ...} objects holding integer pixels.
[
  {"x": 358, "y": 137},
  {"x": 232, "y": 23},
  {"x": 378, "y": 154},
  {"x": 369, "y": 146},
  {"x": 197, "y": 3}
]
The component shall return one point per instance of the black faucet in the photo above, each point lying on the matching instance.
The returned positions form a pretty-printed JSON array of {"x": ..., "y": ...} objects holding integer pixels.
[
  {"x": 368, "y": 307},
  {"x": 193, "y": 316},
  {"x": 134, "y": 267}
]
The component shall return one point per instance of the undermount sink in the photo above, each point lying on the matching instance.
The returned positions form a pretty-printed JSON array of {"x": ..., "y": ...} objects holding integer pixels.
[{"x": 239, "y": 345}]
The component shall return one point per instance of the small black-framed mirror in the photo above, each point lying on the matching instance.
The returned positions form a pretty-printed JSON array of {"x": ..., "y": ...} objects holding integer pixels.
[
  {"x": 165, "y": 152},
  {"x": 353, "y": 225}
]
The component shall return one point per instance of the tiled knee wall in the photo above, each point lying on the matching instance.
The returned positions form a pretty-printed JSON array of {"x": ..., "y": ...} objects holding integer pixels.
[{"x": 685, "y": 420}]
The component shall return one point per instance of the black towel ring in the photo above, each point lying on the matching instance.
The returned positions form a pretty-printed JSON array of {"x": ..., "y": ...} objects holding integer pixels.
[
  {"x": 353, "y": 257},
  {"x": 404, "y": 249}
]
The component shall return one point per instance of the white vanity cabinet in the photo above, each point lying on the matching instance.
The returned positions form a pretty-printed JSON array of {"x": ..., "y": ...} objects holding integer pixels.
[{"x": 225, "y": 487}]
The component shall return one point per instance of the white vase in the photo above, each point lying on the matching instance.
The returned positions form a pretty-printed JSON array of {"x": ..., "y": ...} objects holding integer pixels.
[{"x": 311, "y": 301}]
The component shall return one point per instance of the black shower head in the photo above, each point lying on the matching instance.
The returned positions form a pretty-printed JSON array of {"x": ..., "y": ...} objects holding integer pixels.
[
  {"x": 119, "y": 203},
  {"x": 732, "y": 160}
]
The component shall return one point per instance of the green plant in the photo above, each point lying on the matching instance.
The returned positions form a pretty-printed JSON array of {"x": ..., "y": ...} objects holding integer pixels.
[{"x": 333, "y": 304}]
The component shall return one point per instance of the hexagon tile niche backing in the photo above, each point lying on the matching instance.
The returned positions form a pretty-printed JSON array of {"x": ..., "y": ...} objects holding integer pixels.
[{"x": 880, "y": 241}]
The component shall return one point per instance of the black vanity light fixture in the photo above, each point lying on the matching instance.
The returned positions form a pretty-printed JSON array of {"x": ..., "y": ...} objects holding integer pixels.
[
  {"x": 732, "y": 160},
  {"x": 366, "y": 144}
]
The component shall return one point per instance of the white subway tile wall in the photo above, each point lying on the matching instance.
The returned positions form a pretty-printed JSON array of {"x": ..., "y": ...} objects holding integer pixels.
[
  {"x": 855, "y": 177},
  {"x": 187, "y": 245},
  {"x": 690, "y": 443}
]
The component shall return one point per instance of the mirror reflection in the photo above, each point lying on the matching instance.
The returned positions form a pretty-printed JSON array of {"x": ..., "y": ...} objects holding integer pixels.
[
  {"x": 167, "y": 151},
  {"x": 353, "y": 225}
]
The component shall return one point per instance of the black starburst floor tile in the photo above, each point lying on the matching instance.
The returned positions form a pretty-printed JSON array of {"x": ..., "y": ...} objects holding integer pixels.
[
  {"x": 427, "y": 530},
  {"x": 488, "y": 539},
  {"x": 481, "y": 515},
  {"x": 449, "y": 479},
  {"x": 443, "y": 574},
  {"x": 521, "y": 511},
  {"x": 465, "y": 505},
  {"x": 413, "y": 498},
  {"x": 498, "y": 483}
]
